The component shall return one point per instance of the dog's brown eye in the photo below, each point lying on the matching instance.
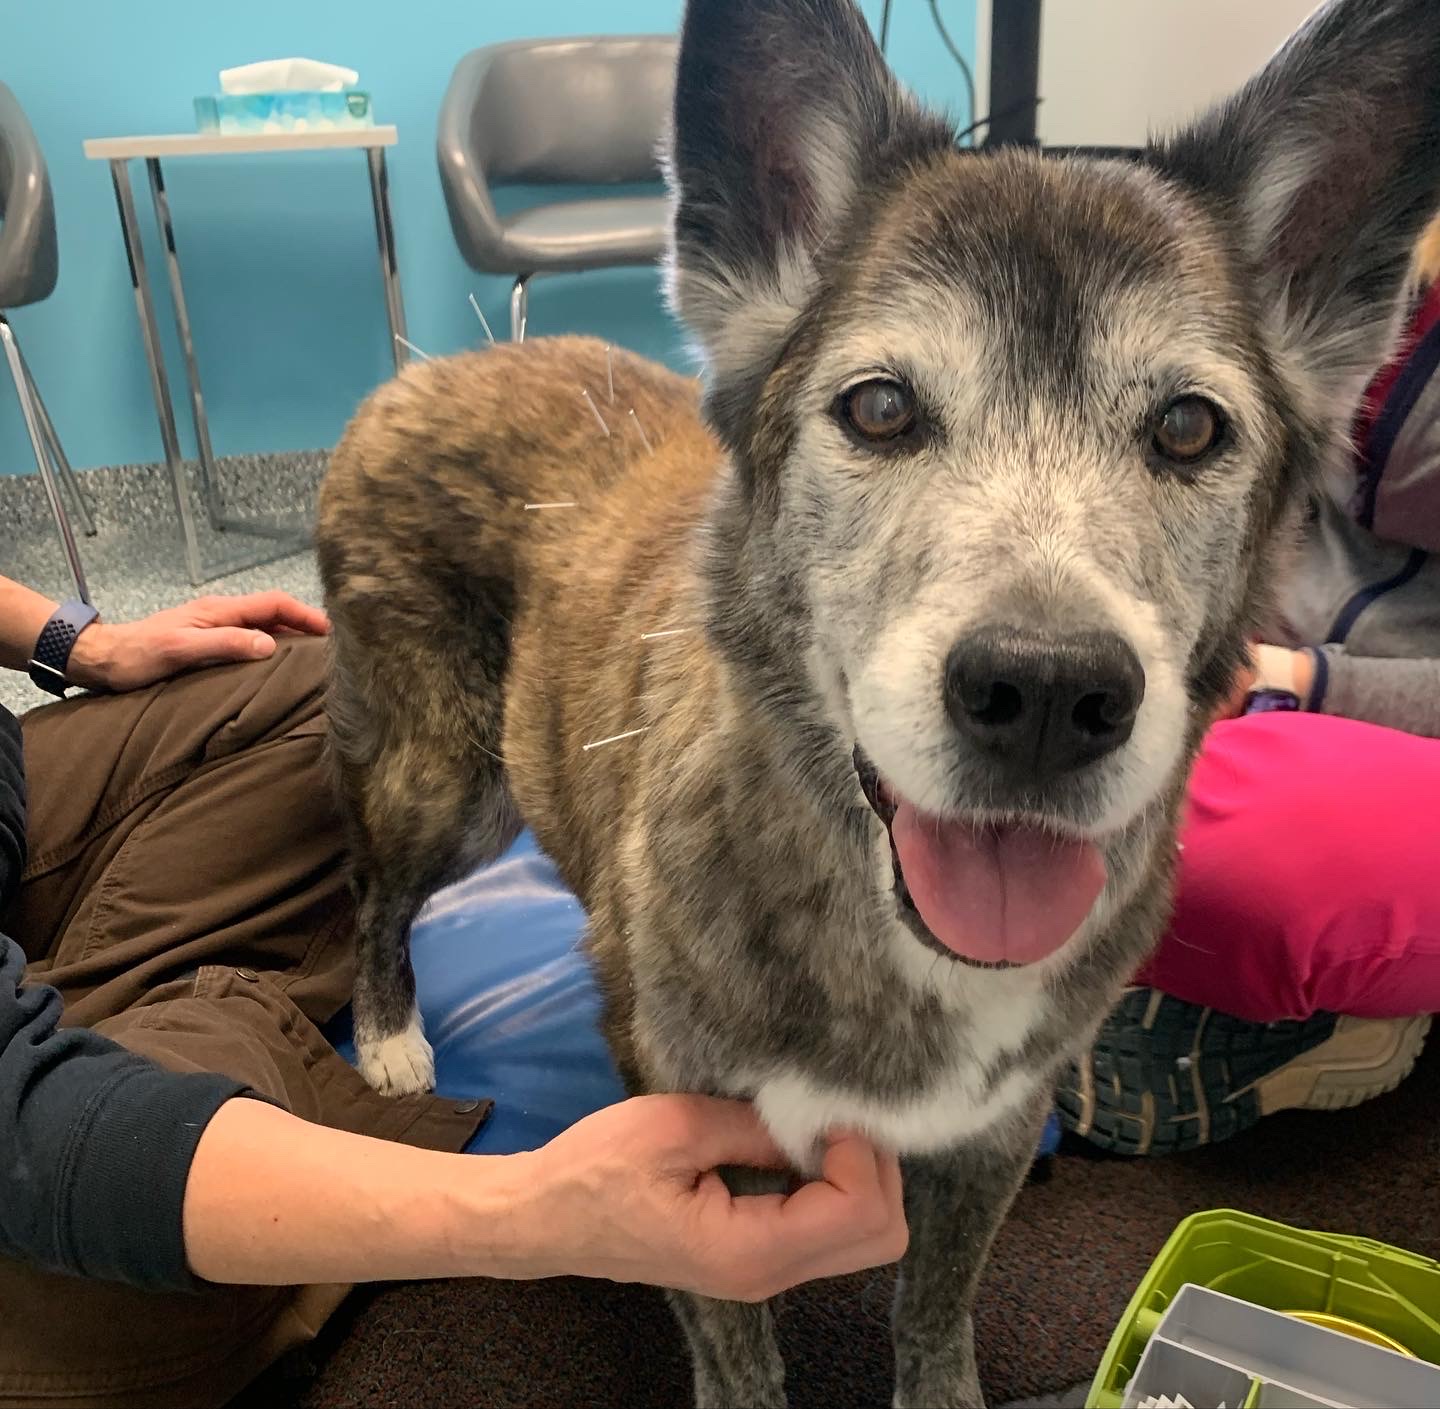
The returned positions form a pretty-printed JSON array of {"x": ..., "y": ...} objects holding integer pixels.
[
  {"x": 1189, "y": 428},
  {"x": 879, "y": 410}
]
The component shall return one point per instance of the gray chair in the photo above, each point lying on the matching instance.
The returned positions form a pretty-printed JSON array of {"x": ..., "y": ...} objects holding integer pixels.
[
  {"x": 29, "y": 266},
  {"x": 584, "y": 112}
]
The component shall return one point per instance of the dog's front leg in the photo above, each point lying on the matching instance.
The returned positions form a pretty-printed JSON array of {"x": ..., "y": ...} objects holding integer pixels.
[
  {"x": 732, "y": 1343},
  {"x": 732, "y": 1346},
  {"x": 954, "y": 1203}
]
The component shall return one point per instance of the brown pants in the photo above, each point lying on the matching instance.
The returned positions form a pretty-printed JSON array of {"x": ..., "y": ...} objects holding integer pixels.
[{"x": 185, "y": 893}]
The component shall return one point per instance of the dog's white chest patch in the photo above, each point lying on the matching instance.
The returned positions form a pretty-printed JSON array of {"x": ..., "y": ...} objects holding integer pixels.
[
  {"x": 798, "y": 1112},
  {"x": 958, "y": 1104}
]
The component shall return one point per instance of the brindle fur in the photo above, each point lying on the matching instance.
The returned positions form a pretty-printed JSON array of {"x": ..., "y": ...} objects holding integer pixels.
[{"x": 742, "y": 919}]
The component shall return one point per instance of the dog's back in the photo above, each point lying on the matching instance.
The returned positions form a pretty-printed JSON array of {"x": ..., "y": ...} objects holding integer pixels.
[{"x": 455, "y": 487}]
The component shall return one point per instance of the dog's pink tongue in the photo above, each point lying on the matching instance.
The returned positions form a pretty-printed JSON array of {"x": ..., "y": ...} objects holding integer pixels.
[{"x": 1011, "y": 895}]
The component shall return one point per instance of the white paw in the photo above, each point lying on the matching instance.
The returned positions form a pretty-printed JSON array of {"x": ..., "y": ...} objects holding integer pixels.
[{"x": 400, "y": 1065}]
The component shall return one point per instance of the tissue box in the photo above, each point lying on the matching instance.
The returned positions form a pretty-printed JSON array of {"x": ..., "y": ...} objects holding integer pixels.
[{"x": 289, "y": 111}]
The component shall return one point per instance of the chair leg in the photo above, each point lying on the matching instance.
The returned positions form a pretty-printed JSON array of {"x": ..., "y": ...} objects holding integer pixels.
[
  {"x": 58, "y": 456},
  {"x": 519, "y": 307},
  {"x": 31, "y": 414}
]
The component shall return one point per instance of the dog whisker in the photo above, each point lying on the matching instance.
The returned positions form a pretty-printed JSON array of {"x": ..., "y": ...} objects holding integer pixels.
[
  {"x": 610, "y": 373},
  {"x": 555, "y": 504},
  {"x": 410, "y": 346},
  {"x": 657, "y": 635},
  {"x": 476, "y": 306},
  {"x": 595, "y": 411},
  {"x": 613, "y": 739},
  {"x": 644, "y": 439}
]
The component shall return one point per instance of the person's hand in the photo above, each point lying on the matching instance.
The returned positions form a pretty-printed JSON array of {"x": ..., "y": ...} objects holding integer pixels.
[
  {"x": 630, "y": 1194},
  {"x": 209, "y": 631},
  {"x": 1273, "y": 667}
]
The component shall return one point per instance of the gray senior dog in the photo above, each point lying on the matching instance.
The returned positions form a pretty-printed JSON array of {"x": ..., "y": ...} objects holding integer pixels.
[{"x": 856, "y": 695}]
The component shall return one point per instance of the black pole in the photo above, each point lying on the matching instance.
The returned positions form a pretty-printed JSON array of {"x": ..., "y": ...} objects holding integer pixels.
[{"x": 1014, "y": 72}]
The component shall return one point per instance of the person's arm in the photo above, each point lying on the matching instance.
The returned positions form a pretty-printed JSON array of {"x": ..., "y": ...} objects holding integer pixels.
[
  {"x": 1394, "y": 692},
  {"x": 1398, "y": 693},
  {"x": 628, "y": 1194},
  {"x": 116, "y": 1169},
  {"x": 208, "y": 631},
  {"x": 97, "y": 1143},
  {"x": 23, "y": 615}
]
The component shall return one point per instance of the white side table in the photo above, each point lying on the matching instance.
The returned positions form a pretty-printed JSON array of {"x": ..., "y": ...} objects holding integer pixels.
[{"x": 119, "y": 152}]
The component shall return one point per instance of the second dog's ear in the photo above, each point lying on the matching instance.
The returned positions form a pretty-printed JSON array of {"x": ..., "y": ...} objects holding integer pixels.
[
  {"x": 784, "y": 110},
  {"x": 1327, "y": 165}
]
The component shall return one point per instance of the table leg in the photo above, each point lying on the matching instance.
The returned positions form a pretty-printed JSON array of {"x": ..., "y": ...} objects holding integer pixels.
[
  {"x": 208, "y": 477},
  {"x": 385, "y": 238},
  {"x": 159, "y": 386},
  {"x": 285, "y": 539}
]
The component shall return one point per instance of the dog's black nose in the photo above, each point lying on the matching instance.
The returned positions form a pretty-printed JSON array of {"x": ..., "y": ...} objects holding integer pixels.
[{"x": 1043, "y": 705}]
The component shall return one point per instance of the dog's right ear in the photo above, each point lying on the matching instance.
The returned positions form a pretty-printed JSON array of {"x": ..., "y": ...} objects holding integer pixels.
[
  {"x": 1327, "y": 166},
  {"x": 784, "y": 112}
]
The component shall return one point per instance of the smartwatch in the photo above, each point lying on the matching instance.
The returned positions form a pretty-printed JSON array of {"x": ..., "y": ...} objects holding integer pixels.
[
  {"x": 1268, "y": 701},
  {"x": 52, "y": 648}
]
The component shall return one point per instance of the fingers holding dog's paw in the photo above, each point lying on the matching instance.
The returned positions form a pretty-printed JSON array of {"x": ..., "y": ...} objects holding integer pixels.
[{"x": 399, "y": 1065}]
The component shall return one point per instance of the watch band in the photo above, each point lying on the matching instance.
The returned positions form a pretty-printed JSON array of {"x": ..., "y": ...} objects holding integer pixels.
[
  {"x": 1266, "y": 701},
  {"x": 52, "y": 648}
]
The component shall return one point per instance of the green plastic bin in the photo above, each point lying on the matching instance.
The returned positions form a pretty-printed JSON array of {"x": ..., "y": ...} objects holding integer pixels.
[{"x": 1285, "y": 1269}]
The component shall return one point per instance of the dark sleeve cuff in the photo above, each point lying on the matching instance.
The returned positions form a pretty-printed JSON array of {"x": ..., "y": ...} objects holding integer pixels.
[
  {"x": 126, "y": 1163},
  {"x": 1320, "y": 682}
]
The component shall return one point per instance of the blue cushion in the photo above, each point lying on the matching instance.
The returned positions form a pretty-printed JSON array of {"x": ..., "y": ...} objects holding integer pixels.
[{"x": 510, "y": 1005}]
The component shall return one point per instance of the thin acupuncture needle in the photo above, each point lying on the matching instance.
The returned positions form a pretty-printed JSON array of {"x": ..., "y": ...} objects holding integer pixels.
[
  {"x": 613, "y": 739},
  {"x": 595, "y": 411},
  {"x": 476, "y": 306}
]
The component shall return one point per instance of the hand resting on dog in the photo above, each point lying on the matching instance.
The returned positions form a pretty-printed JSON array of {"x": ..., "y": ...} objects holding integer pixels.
[{"x": 629, "y": 1194}]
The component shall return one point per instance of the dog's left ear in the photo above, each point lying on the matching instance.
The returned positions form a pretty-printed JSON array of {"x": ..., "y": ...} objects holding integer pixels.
[
  {"x": 785, "y": 112},
  {"x": 1327, "y": 165}
]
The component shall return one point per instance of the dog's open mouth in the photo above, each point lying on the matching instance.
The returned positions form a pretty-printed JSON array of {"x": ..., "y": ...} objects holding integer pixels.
[{"x": 990, "y": 896}]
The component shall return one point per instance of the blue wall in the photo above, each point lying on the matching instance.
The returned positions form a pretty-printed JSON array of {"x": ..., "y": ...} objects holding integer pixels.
[{"x": 279, "y": 255}]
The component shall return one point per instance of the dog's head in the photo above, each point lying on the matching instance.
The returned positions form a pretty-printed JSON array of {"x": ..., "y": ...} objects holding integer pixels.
[{"x": 1010, "y": 436}]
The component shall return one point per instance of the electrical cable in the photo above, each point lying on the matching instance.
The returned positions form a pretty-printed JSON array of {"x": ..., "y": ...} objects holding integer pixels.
[{"x": 949, "y": 43}]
